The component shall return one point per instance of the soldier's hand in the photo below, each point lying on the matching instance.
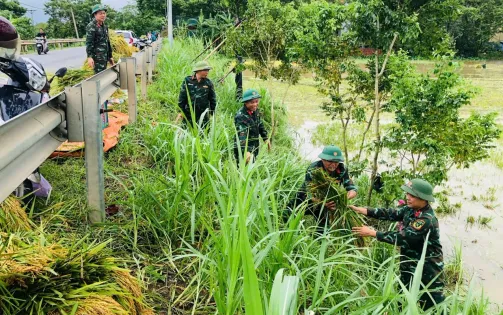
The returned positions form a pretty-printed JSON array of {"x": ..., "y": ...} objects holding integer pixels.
[
  {"x": 361, "y": 210},
  {"x": 90, "y": 62},
  {"x": 112, "y": 61},
  {"x": 352, "y": 194},
  {"x": 330, "y": 205},
  {"x": 364, "y": 231}
]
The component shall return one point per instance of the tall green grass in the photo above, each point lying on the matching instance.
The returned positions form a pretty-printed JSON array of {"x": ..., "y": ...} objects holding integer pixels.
[{"x": 207, "y": 235}]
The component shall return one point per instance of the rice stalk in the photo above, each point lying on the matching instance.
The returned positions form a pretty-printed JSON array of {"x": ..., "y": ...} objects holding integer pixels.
[
  {"x": 13, "y": 217},
  {"x": 100, "y": 305}
]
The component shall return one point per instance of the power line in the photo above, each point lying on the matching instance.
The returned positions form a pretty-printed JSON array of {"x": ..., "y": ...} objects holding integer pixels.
[{"x": 31, "y": 5}]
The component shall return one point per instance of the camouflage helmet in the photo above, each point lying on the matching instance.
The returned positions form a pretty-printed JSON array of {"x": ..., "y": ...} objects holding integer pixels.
[
  {"x": 201, "y": 65},
  {"x": 332, "y": 153},
  {"x": 419, "y": 188},
  {"x": 249, "y": 95},
  {"x": 98, "y": 7}
]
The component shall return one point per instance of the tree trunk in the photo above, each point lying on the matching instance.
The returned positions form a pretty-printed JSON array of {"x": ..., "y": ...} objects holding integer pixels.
[
  {"x": 377, "y": 109},
  {"x": 376, "y": 128}
]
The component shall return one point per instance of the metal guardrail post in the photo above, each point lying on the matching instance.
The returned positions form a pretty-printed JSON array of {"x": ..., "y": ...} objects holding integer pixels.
[
  {"x": 131, "y": 89},
  {"x": 154, "y": 53},
  {"x": 149, "y": 61},
  {"x": 144, "y": 75},
  {"x": 74, "y": 114},
  {"x": 93, "y": 151}
]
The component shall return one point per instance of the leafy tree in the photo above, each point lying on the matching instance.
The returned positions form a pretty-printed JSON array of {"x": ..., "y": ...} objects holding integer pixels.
[
  {"x": 429, "y": 137},
  {"x": 379, "y": 24},
  {"x": 434, "y": 19},
  {"x": 11, "y": 9},
  {"x": 129, "y": 18},
  {"x": 479, "y": 21},
  {"x": 320, "y": 42},
  {"x": 23, "y": 27},
  {"x": 41, "y": 25},
  {"x": 60, "y": 24},
  {"x": 263, "y": 37}
]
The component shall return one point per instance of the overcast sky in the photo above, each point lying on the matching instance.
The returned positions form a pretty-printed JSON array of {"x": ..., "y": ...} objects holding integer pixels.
[{"x": 38, "y": 6}]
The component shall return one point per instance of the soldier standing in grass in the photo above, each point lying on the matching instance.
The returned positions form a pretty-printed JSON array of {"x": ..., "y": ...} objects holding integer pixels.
[
  {"x": 98, "y": 48},
  {"x": 197, "y": 94},
  {"x": 332, "y": 162},
  {"x": 419, "y": 222},
  {"x": 250, "y": 127}
]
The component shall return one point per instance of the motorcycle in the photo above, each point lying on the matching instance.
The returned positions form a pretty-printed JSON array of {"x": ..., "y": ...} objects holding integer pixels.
[
  {"x": 26, "y": 88},
  {"x": 41, "y": 45},
  {"x": 142, "y": 43}
]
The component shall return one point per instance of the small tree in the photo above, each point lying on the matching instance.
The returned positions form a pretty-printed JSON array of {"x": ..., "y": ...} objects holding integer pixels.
[
  {"x": 320, "y": 41},
  {"x": 429, "y": 137},
  {"x": 379, "y": 24},
  {"x": 263, "y": 38}
]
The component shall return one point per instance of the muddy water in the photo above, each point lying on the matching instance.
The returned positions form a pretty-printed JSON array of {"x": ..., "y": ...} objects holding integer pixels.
[
  {"x": 480, "y": 191},
  {"x": 477, "y": 189}
]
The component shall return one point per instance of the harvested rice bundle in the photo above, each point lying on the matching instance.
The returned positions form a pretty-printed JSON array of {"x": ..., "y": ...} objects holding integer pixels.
[
  {"x": 74, "y": 76},
  {"x": 13, "y": 216},
  {"x": 119, "y": 46},
  {"x": 325, "y": 188},
  {"x": 100, "y": 305},
  {"x": 133, "y": 301}
]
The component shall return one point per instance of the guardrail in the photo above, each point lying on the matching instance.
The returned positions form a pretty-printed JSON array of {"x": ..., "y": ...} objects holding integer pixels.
[
  {"x": 60, "y": 42},
  {"x": 30, "y": 138}
]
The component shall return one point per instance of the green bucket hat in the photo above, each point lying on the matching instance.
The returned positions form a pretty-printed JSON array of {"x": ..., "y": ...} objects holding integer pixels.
[
  {"x": 419, "y": 188},
  {"x": 332, "y": 153},
  {"x": 98, "y": 7},
  {"x": 249, "y": 95},
  {"x": 200, "y": 66}
]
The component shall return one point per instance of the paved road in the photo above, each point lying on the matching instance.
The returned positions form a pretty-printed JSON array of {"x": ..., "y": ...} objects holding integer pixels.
[{"x": 72, "y": 58}]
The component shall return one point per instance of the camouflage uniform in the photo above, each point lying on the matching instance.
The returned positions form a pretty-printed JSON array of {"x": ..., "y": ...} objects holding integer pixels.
[
  {"x": 202, "y": 97},
  {"x": 416, "y": 225},
  {"x": 250, "y": 128},
  {"x": 98, "y": 45},
  {"x": 341, "y": 174}
]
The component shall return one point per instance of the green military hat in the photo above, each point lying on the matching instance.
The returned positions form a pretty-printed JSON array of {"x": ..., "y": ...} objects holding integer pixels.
[
  {"x": 332, "y": 153},
  {"x": 419, "y": 188},
  {"x": 98, "y": 7},
  {"x": 192, "y": 22},
  {"x": 201, "y": 65},
  {"x": 249, "y": 95}
]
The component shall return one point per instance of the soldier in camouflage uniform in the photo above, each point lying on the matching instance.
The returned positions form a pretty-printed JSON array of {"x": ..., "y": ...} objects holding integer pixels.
[
  {"x": 249, "y": 127},
  {"x": 331, "y": 162},
  {"x": 197, "y": 93},
  {"x": 98, "y": 48},
  {"x": 418, "y": 221}
]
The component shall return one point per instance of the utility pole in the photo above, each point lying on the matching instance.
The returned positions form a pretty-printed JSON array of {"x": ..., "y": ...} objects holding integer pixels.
[
  {"x": 170, "y": 22},
  {"x": 74, "y": 24},
  {"x": 32, "y": 21}
]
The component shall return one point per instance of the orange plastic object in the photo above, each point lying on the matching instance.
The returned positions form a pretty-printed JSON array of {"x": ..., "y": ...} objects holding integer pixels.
[{"x": 116, "y": 120}]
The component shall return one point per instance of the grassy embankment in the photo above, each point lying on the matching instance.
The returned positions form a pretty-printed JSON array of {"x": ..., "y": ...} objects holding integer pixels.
[{"x": 205, "y": 236}]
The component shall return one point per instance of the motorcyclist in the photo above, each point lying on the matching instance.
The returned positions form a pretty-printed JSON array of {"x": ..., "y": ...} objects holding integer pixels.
[
  {"x": 10, "y": 44},
  {"x": 42, "y": 34}
]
